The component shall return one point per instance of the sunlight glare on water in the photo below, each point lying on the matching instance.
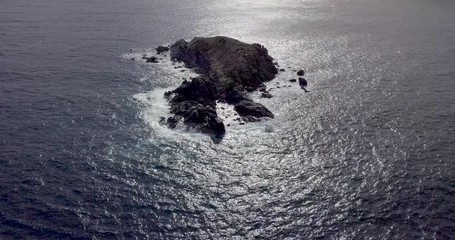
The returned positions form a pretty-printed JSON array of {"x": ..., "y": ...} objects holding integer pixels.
[{"x": 365, "y": 154}]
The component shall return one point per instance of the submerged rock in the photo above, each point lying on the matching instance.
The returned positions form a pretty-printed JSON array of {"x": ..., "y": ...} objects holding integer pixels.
[{"x": 227, "y": 69}]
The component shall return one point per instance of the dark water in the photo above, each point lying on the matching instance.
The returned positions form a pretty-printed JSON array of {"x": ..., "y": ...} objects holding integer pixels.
[{"x": 367, "y": 154}]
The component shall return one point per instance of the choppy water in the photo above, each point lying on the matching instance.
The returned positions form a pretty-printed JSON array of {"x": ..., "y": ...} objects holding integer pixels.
[{"x": 366, "y": 154}]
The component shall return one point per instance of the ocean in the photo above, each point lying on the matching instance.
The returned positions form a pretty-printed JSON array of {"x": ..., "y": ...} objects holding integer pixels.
[{"x": 367, "y": 153}]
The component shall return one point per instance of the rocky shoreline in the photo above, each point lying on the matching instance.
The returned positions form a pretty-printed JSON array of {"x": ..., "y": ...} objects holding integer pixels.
[{"x": 228, "y": 69}]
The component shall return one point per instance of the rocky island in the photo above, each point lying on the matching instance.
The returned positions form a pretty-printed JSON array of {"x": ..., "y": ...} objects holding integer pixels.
[{"x": 228, "y": 69}]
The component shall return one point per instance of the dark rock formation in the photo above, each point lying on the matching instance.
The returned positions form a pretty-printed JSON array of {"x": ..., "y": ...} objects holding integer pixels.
[
  {"x": 249, "y": 108},
  {"x": 227, "y": 61},
  {"x": 302, "y": 82},
  {"x": 151, "y": 60},
  {"x": 161, "y": 49},
  {"x": 300, "y": 72},
  {"x": 293, "y": 80},
  {"x": 228, "y": 69}
]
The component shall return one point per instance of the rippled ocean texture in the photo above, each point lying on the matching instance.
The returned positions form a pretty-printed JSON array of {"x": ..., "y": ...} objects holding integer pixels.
[{"x": 368, "y": 153}]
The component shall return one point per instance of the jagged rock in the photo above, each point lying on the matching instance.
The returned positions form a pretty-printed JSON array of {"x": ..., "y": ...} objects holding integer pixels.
[
  {"x": 249, "y": 108},
  {"x": 161, "y": 49},
  {"x": 300, "y": 72},
  {"x": 228, "y": 69}
]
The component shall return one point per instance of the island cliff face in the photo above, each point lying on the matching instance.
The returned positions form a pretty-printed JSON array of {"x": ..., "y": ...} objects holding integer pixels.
[{"x": 227, "y": 69}]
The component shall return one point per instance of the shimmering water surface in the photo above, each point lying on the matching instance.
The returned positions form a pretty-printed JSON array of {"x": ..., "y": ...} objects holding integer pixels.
[{"x": 366, "y": 154}]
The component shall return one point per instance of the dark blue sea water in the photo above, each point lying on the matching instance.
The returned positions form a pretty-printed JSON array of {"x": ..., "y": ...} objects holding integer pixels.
[{"x": 368, "y": 153}]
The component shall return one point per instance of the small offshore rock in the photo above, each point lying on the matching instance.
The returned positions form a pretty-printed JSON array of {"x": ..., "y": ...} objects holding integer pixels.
[
  {"x": 161, "y": 49},
  {"x": 302, "y": 82},
  {"x": 293, "y": 80},
  {"x": 301, "y": 72},
  {"x": 282, "y": 70},
  {"x": 151, "y": 60}
]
